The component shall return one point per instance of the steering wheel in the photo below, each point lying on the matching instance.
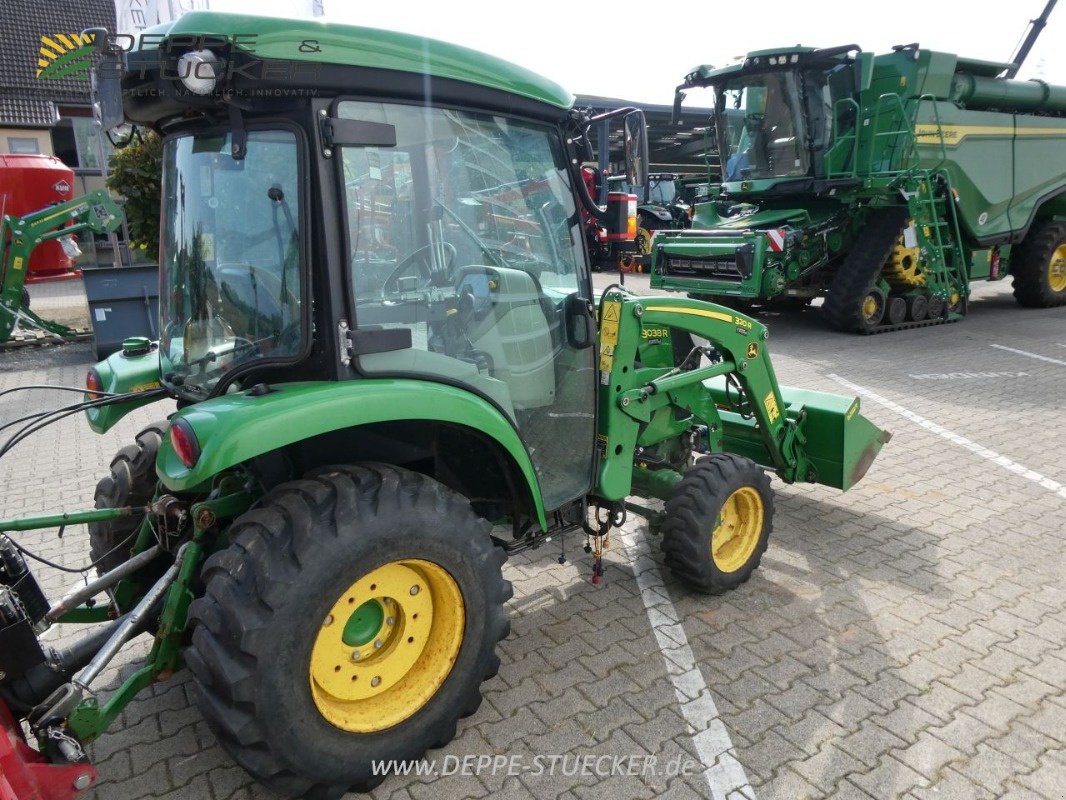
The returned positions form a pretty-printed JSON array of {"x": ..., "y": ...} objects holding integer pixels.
[{"x": 387, "y": 288}]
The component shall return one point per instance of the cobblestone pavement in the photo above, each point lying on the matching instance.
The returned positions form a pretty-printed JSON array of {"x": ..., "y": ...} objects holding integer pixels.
[{"x": 906, "y": 639}]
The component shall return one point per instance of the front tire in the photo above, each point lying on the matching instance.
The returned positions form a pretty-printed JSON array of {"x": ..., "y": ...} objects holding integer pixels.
[
  {"x": 718, "y": 523},
  {"x": 1039, "y": 268},
  {"x": 361, "y": 608}
]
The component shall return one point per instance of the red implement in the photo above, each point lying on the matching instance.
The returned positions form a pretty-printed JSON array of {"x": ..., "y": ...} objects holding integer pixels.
[{"x": 25, "y": 775}]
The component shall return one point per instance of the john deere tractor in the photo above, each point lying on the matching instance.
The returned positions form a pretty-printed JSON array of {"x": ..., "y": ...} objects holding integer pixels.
[
  {"x": 378, "y": 326},
  {"x": 884, "y": 184}
]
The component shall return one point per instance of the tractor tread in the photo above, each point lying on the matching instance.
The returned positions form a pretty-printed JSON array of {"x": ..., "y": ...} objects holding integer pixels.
[
  {"x": 234, "y": 624},
  {"x": 131, "y": 481},
  {"x": 1030, "y": 263},
  {"x": 859, "y": 270},
  {"x": 693, "y": 509}
]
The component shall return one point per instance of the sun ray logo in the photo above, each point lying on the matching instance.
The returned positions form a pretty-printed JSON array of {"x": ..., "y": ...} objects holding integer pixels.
[{"x": 64, "y": 55}]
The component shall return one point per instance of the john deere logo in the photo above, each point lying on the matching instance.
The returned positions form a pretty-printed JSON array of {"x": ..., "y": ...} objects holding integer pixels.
[{"x": 64, "y": 55}]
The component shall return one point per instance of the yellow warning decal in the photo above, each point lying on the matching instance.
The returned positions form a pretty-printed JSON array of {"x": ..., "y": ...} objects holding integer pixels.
[
  {"x": 16, "y": 262},
  {"x": 144, "y": 387},
  {"x": 753, "y": 349},
  {"x": 771, "y": 406},
  {"x": 612, "y": 313},
  {"x": 853, "y": 410}
]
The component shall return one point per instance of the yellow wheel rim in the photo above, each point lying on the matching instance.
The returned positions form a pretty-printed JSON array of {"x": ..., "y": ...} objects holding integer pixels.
[
  {"x": 387, "y": 645},
  {"x": 739, "y": 528},
  {"x": 869, "y": 307},
  {"x": 1056, "y": 274},
  {"x": 644, "y": 241}
]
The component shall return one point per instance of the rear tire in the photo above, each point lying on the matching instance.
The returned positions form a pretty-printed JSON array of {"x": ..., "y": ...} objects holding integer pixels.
[
  {"x": 131, "y": 481},
  {"x": 1039, "y": 268},
  {"x": 273, "y": 661},
  {"x": 718, "y": 523}
]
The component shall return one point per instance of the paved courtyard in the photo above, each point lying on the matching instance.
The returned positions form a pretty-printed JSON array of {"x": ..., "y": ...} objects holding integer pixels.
[{"x": 906, "y": 639}]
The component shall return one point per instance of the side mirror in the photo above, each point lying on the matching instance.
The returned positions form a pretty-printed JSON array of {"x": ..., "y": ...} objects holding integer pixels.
[
  {"x": 106, "y": 79},
  {"x": 864, "y": 71},
  {"x": 636, "y": 148}
]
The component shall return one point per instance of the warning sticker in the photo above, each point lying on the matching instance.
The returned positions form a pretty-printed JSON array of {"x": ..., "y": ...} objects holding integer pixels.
[
  {"x": 612, "y": 311},
  {"x": 771, "y": 406},
  {"x": 852, "y": 411},
  {"x": 16, "y": 262}
]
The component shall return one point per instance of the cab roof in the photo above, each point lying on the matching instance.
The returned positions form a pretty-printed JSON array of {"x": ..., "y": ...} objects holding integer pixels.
[{"x": 351, "y": 45}]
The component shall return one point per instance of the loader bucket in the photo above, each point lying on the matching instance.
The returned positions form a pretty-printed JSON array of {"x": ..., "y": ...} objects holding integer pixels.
[
  {"x": 836, "y": 444},
  {"x": 841, "y": 443}
]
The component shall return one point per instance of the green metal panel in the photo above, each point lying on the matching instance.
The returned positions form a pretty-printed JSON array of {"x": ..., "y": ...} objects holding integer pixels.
[
  {"x": 236, "y": 427},
  {"x": 119, "y": 374},
  {"x": 349, "y": 45}
]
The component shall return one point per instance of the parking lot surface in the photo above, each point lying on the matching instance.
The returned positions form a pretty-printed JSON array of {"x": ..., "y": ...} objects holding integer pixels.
[{"x": 905, "y": 639}]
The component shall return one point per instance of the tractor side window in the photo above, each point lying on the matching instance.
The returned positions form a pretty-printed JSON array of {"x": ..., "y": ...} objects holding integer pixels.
[
  {"x": 230, "y": 256},
  {"x": 467, "y": 233}
]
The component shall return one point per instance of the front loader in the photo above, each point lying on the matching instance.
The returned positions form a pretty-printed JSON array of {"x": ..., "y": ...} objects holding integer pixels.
[
  {"x": 390, "y": 372},
  {"x": 95, "y": 212}
]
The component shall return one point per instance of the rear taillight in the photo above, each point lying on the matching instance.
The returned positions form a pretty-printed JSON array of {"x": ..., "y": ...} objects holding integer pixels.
[
  {"x": 183, "y": 440},
  {"x": 93, "y": 384}
]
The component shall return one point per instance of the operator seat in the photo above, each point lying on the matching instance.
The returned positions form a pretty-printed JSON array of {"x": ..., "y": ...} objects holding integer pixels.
[{"x": 508, "y": 324}]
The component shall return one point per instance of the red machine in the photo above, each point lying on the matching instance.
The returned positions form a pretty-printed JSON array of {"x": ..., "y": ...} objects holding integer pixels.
[{"x": 29, "y": 183}]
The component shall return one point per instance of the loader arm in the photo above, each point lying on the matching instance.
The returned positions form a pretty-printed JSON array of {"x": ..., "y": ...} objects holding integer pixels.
[
  {"x": 730, "y": 397},
  {"x": 96, "y": 212}
]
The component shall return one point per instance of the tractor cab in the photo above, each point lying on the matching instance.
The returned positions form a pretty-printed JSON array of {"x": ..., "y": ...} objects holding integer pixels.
[
  {"x": 311, "y": 232},
  {"x": 773, "y": 115}
]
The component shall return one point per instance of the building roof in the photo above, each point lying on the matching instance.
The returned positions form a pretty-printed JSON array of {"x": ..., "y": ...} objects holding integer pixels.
[{"x": 25, "y": 99}]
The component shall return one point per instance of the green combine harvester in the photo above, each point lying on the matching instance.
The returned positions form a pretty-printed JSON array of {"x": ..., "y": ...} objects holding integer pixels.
[
  {"x": 390, "y": 372},
  {"x": 886, "y": 184}
]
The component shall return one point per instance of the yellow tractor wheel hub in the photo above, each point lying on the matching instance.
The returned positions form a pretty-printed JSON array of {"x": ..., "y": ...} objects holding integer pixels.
[
  {"x": 386, "y": 646},
  {"x": 1056, "y": 275},
  {"x": 869, "y": 307},
  {"x": 739, "y": 529}
]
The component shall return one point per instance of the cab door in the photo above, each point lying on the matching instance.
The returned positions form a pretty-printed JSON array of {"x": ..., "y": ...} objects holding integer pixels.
[{"x": 466, "y": 231}]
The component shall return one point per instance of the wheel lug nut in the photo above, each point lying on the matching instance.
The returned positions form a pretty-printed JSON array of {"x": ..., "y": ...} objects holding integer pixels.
[
  {"x": 356, "y": 655},
  {"x": 328, "y": 621},
  {"x": 390, "y": 621},
  {"x": 375, "y": 681},
  {"x": 414, "y": 589},
  {"x": 377, "y": 644}
]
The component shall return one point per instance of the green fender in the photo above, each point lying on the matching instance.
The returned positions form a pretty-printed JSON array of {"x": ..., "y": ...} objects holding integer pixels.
[{"x": 237, "y": 427}]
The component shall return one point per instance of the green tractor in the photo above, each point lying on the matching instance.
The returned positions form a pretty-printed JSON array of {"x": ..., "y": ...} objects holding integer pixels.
[
  {"x": 884, "y": 184},
  {"x": 378, "y": 326}
]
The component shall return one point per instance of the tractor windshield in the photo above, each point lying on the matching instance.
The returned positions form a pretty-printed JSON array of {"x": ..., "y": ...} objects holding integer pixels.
[
  {"x": 771, "y": 141},
  {"x": 661, "y": 190},
  {"x": 229, "y": 257}
]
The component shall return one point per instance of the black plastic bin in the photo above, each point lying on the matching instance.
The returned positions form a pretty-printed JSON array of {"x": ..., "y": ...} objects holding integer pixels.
[{"x": 123, "y": 302}]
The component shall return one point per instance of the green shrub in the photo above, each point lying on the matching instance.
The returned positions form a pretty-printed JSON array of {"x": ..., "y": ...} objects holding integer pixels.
[{"x": 135, "y": 173}]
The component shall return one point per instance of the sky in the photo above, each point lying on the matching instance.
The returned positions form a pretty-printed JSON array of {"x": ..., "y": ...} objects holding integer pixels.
[{"x": 641, "y": 51}]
